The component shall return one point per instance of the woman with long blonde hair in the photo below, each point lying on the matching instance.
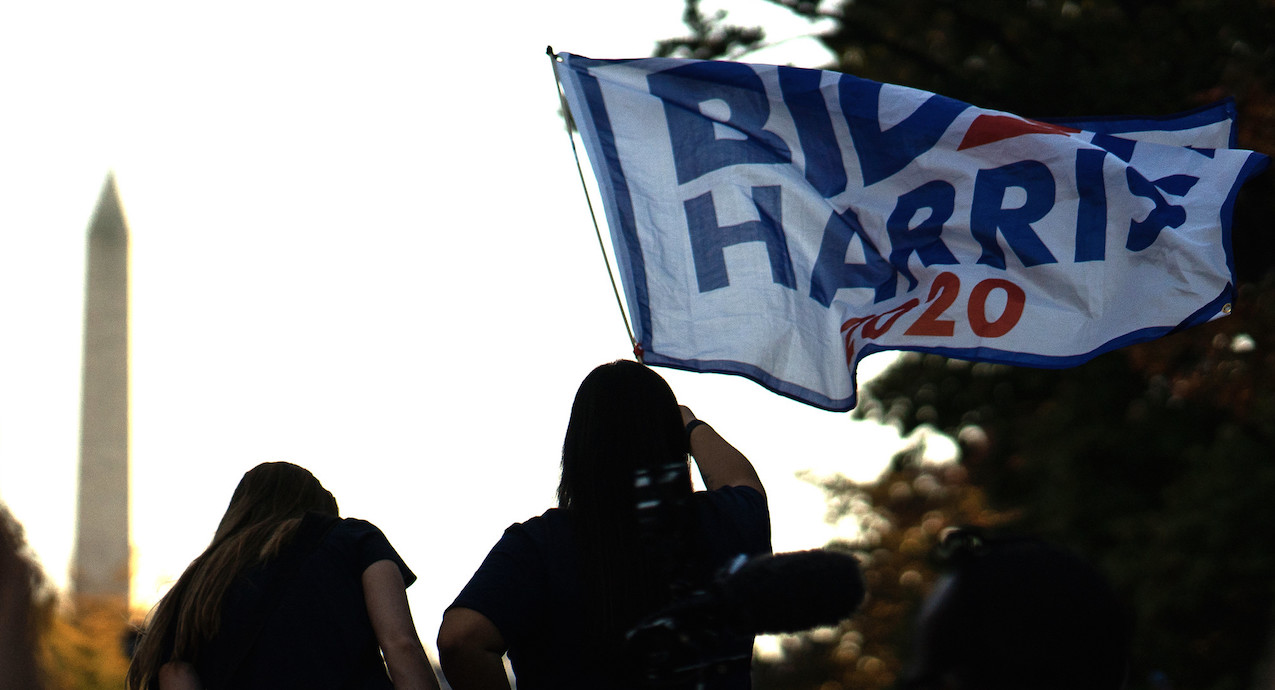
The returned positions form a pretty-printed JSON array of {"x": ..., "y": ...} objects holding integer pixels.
[{"x": 288, "y": 594}]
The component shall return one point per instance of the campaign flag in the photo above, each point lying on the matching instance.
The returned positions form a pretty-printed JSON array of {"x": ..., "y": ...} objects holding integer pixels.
[{"x": 781, "y": 223}]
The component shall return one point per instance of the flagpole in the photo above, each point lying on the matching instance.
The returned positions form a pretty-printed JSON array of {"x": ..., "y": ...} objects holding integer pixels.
[{"x": 570, "y": 126}]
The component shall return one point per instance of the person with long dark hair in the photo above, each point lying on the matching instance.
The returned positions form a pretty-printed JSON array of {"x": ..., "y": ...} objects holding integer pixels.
[
  {"x": 287, "y": 595},
  {"x": 558, "y": 592}
]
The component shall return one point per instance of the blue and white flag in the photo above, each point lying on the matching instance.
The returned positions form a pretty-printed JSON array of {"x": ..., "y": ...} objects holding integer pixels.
[{"x": 782, "y": 223}]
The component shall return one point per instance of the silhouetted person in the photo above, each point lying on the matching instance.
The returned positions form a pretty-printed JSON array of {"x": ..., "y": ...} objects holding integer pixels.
[
  {"x": 1016, "y": 613},
  {"x": 287, "y": 595},
  {"x": 20, "y": 578},
  {"x": 559, "y": 591}
]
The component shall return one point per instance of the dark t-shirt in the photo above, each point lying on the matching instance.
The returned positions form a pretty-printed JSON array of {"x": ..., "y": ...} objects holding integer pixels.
[
  {"x": 529, "y": 587},
  {"x": 300, "y": 621}
]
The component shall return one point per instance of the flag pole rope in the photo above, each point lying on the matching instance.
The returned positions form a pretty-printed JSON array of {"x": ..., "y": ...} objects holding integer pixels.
[{"x": 570, "y": 125}]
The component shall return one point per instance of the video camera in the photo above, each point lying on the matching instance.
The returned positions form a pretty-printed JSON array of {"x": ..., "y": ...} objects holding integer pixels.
[
  {"x": 689, "y": 641},
  {"x": 697, "y": 636}
]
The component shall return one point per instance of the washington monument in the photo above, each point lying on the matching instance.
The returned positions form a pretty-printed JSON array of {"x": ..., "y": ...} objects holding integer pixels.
[{"x": 100, "y": 564}]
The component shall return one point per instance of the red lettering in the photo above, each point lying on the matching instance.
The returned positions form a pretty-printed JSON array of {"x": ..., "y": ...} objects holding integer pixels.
[
  {"x": 945, "y": 287},
  {"x": 872, "y": 325},
  {"x": 944, "y": 292},
  {"x": 872, "y": 329},
  {"x": 847, "y": 330},
  {"x": 1015, "y": 298}
]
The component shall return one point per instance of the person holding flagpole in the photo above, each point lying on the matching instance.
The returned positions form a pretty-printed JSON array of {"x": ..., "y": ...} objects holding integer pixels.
[{"x": 558, "y": 592}]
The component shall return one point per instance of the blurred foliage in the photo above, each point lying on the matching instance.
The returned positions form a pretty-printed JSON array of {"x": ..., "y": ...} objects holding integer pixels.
[
  {"x": 1035, "y": 58},
  {"x": 45, "y": 645},
  {"x": 1154, "y": 461},
  {"x": 710, "y": 36},
  {"x": 85, "y": 649},
  {"x": 901, "y": 518}
]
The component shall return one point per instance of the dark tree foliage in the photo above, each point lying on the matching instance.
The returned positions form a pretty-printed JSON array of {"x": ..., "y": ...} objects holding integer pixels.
[
  {"x": 1038, "y": 57},
  {"x": 1154, "y": 461},
  {"x": 901, "y": 518},
  {"x": 1156, "y": 477},
  {"x": 710, "y": 37}
]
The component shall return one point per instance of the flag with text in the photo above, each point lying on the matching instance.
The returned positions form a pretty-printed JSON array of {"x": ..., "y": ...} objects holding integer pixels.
[{"x": 781, "y": 223}]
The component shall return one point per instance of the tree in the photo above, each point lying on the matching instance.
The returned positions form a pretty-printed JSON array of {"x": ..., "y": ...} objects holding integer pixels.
[
  {"x": 1152, "y": 461},
  {"x": 42, "y": 646},
  {"x": 901, "y": 518},
  {"x": 85, "y": 649}
]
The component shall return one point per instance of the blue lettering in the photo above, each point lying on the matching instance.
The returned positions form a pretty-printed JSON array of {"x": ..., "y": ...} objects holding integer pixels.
[
  {"x": 1143, "y": 234},
  {"x": 925, "y": 239},
  {"x": 1119, "y": 147},
  {"x": 825, "y": 170},
  {"x": 709, "y": 240},
  {"x": 884, "y": 153},
  {"x": 987, "y": 216},
  {"x": 697, "y": 150},
  {"x": 831, "y": 272},
  {"x": 1091, "y": 216}
]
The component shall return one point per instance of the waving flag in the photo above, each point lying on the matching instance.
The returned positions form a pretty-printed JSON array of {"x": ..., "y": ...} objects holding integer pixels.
[{"x": 782, "y": 223}]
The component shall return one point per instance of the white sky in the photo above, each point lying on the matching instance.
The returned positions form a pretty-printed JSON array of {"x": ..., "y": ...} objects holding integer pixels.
[{"x": 358, "y": 244}]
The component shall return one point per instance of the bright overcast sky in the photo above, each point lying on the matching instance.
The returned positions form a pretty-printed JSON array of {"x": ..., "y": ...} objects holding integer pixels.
[{"x": 359, "y": 243}]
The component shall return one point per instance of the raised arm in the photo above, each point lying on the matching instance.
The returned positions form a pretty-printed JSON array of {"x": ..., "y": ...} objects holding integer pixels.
[
  {"x": 387, "y": 607},
  {"x": 720, "y": 464}
]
